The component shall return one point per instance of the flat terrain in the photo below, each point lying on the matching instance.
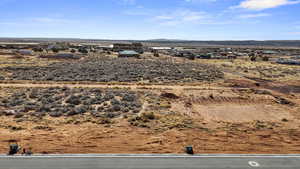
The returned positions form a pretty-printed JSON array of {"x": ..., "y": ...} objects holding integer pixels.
[
  {"x": 101, "y": 104},
  {"x": 145, "y": 162},
  {"x": 118, "y": 70}
]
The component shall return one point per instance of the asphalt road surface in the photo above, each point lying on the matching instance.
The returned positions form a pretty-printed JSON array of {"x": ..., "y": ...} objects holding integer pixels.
[{"x": 150, "y": 162}]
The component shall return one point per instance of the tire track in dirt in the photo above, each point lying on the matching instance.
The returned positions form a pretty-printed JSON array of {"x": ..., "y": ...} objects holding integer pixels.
[{"x": 224, "y": 99}]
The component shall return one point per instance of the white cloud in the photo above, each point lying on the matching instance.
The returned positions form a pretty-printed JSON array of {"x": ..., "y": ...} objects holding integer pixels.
[
  {"x": 265, "y": 4},
  {"x": 294, "y": 33},
  {"x": 164, "y": 17},
  {"x": 170, "y": 23},
  {"x": 258, "y": 15},
  {"x": 181, "y": 16},
  {"x": 194, "y": 16}
]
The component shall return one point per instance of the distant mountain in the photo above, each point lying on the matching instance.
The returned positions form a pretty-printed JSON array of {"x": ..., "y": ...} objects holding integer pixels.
[
  {"x": 275, "y": 43},
  {"x": 166, "y": 40}
]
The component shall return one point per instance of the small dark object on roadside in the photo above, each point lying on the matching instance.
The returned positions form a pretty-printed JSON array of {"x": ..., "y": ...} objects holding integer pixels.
[
  {"x": 189, "y": 150},
  {"x": 27, "y": 152},
  {"x": 14, "y": 149}
]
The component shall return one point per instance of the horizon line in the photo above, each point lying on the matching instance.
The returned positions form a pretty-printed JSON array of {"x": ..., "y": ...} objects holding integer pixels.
[{"x": 159, "y": 39}]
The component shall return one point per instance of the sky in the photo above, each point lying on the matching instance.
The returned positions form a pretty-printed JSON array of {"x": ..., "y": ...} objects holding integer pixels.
[{"x": 152, "y": 19}]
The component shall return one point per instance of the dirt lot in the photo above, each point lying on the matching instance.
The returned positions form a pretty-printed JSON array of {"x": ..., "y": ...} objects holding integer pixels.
[{"x": 243, "y": 112}]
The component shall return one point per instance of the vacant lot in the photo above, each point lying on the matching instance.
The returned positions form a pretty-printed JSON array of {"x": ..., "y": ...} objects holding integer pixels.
[
  {"x": 97, "y": 120},
  {"x": 220, "y": 106}
]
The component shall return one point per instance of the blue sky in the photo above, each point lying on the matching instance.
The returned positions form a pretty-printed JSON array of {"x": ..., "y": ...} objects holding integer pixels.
[{"x": 152, "y": 19}]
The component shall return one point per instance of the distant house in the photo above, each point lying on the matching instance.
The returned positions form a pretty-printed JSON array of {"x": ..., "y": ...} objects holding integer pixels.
[
  {"x": 296, "y": 57},
  {"x": 225, "y": 49},
  {"x": 61, "y": 56},
  {"x": 161, "y": 48},
  {"x": 129, "y": 53},
  {"x": 184, "y": 53},
  {"x": 288, "y": 61},
  {"x": 25, "y": 52},
  {"x": 269, "y": 52},
  {"x": 138, "y": 47},
  {"x": 51, "y": 46},
  {"x": 105, "y": 48},
  {"x": 59, "y": 46},
  {"x": 205, "y": 56}
]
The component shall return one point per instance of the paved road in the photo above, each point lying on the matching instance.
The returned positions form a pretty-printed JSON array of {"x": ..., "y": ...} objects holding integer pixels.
[{"x": 150, "y": 162}]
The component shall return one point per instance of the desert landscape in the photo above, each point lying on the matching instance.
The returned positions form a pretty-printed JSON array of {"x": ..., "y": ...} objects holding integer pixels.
[{"x": 241, "y": 99}]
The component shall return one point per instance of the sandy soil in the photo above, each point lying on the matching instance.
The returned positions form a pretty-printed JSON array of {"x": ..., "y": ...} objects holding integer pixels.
[
  {"x": 227, "y": 120},
  {"x": 122, "y": 138}
]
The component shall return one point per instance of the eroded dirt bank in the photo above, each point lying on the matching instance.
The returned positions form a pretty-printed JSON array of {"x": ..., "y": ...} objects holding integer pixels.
[{"x": 91, "y": 138}]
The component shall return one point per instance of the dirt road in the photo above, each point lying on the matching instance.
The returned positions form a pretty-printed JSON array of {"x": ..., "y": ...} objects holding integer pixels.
[{"x": 121, "y": 86}]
